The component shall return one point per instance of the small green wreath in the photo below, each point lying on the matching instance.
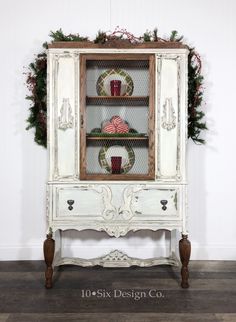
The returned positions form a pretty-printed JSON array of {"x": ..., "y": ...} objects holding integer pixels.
[
  {"x": 102, "y": 159},
  {"x": 37, "y": 75},
  {"x": 100, "y": 86}
]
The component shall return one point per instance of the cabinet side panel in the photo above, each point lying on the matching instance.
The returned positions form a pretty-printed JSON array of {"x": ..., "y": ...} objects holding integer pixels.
[
  {"x": 65, "y": 118},
  {"x": 168, "y": 118},
  {"x": 64, "y": 115},
  {"x": 50, "y": 104}
]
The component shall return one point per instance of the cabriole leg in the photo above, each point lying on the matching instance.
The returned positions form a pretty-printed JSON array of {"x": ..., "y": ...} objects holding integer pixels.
[
  {"x": 48, "y": 249},
  {"x": 184, "y": 251}
]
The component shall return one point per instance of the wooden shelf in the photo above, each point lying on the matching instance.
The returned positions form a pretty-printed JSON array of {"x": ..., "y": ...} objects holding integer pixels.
[
  {"x": 118, "y": 100},
  {"x": 119, "y": 177},
  {"x": 118, "y": 97},
  {"x": 115, "y": 138}
]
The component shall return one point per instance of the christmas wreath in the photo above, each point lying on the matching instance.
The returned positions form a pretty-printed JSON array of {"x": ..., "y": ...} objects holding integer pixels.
[{"x": 37, "y": 73}]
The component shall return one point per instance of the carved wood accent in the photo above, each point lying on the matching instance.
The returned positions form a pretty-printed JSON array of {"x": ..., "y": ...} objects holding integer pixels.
[
  {"x": 66, "y": 119},
  {"x": 117, "y": 258},
  {"x": 168, "y": 118},
  {"x": 109, "y": 211},
  {"x": 185, "y": 251},
  {"x": 125, "y": 210},
  {"x": 48, "y": 249},
  {"x": 116, "y": 230}
]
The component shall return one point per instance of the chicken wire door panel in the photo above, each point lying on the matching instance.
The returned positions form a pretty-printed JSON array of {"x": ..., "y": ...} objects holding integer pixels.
[{"x": 117, "y": 117}]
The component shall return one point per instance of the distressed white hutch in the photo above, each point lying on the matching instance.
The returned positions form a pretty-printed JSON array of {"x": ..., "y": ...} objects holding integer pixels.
[{"x": 117, "y": 131}]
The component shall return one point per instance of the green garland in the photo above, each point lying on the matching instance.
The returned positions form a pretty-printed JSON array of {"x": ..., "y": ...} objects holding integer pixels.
[{"x": 37, "y": 73}]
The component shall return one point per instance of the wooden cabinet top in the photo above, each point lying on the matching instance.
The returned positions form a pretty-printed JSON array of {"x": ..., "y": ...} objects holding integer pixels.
[{"x": 116, "y": 44}]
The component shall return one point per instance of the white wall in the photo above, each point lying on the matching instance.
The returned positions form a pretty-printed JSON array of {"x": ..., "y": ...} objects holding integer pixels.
[{"x": 209, "y": 26}]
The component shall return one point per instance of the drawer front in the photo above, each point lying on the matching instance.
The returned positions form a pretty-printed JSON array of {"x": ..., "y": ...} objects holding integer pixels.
[
  {"x": 117, "y": 203},
  {"x": 152, "y": 203},
  {"x": 84, "y": 202}
]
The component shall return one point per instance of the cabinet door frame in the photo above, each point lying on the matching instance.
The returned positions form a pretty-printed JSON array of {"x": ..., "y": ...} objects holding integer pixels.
[{"x": 151, "y": 121}]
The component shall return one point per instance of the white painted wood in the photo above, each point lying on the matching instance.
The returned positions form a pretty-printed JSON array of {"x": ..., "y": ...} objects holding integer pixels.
[
  {"x": 65, "y": 137},
  {"x": 168, "y": 120},
  {"x": 147, "y": 201},
  {"x": 117, "y": 258},
  {"x": 116, "y": 207},
  {"x": 27, "y": 162},
  {"x": 63, "y": 116},
  {"x": 164, "y": 51}
]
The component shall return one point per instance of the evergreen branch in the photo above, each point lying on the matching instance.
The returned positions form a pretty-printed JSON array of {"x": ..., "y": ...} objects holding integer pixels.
[{"x": 37, "y": 73}]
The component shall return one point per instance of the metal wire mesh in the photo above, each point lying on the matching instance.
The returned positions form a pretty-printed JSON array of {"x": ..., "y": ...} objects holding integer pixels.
[
  {"x": 102, "y": 154},
  {"x": 117, "y": 125}
]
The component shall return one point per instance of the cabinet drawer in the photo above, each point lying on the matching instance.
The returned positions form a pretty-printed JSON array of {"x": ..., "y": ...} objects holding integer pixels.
[
  {"x": 153, "y": 203},
  {"x": 89, "y": 203},
  {"x": 82, "y": 201}
]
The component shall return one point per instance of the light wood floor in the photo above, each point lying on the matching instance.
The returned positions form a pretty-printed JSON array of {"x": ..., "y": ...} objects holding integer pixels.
[{"x": 211, "y": 296}]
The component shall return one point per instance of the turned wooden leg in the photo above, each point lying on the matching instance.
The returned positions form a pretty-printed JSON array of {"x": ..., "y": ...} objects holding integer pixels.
[
  {"x": 184, "y": 251},
  {"x": 48, "y": 249}
]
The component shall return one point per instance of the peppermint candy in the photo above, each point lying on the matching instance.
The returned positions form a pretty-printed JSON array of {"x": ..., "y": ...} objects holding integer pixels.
[
  {"x": 109, "y": 128},
  {"x": 116, "y": 120},
  {"x": 122, "y": 128}
]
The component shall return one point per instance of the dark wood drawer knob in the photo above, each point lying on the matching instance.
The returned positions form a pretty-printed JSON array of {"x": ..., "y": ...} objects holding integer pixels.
[
  {"x": 164, "y": 203},
  {"x": 70, "y": 203}
]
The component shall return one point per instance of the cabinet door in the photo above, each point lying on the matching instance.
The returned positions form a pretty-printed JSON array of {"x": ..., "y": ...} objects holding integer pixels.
[
  {"x": 63, "y": 114},
  {"x": 117, "y": 117},
  {"x": 171, "y": 88}
]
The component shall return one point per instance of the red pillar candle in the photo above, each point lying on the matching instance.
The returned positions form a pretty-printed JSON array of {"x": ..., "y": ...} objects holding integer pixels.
[
  {"x": 116, "y": 165},
  {"x": 115, "y": 87}
]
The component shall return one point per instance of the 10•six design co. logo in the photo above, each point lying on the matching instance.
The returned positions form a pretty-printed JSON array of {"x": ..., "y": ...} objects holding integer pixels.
[{"x": 122, "y": 294}]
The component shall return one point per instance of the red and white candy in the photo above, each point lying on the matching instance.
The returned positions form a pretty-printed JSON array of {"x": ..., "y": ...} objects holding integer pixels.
[
  {"x": 122, "y": 128},
  {"x": 109, "y": 128},
  {"x": 115, "y": 125},
  {"x": 116, "y": 120}
]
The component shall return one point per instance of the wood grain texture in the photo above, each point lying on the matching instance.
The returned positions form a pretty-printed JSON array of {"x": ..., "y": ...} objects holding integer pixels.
[
  {"x": 151, "y": 152},
  {"x": 4, "y": 317},
  {"x": 48, "y": 250},
  {"x": 104, "y": 177},
  {"x": 87, "y": 44},
  {"x": 114, "y": 57},
  {"x": 184, "y": 251},
  {"x": 117, "y": 317},
  {"x": 117, "y": 100},
  {"x": 115, "y": 138},
  {"x": 210, "y": 298},
  {"x": 83, "y": 92}
]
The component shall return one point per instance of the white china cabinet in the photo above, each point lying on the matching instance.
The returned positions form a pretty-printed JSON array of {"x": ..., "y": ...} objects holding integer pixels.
[{"x": 117, "y": 131}]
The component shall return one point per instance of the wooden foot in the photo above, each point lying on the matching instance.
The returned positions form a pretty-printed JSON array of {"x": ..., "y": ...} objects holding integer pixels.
[
  {"x": 184, "y": 251},
  {"x": 48, "y": 249}
]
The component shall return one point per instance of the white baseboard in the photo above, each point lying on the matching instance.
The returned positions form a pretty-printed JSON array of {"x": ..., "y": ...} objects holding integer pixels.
[
  {"x": 35, "y": 252},
  {"x": 21, "y": 252},
  {"x": 199, "y": 252},
  {"x": 213, "y": 252}
]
